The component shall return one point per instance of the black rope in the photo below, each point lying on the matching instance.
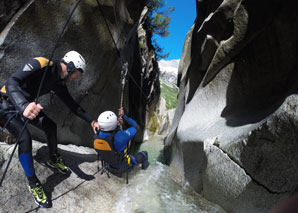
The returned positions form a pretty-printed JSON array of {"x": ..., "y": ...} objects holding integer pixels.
[
  {"x": 56, "y": 45},
  {"x": 105, "y": 20},
  {"x": 15, "y": 113},
  {"x": 119, "y": 53},
  {"x": 39, "y": 89},
  {"x": 65, "y": 193}
]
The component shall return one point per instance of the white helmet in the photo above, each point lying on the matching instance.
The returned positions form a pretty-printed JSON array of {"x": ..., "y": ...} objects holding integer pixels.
[
  {"x": 74, "y": 61},
  {"x": 107, "y": 121}
]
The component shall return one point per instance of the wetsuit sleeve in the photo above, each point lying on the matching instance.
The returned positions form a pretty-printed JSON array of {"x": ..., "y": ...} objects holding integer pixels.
[
  {"x": 62, "y": 92},
  {"x": 131, "y": 131},
  {"x": 122, "y": 137},
  {"x": 131, "y": 122},
  {"x": 14, "y": 83}
]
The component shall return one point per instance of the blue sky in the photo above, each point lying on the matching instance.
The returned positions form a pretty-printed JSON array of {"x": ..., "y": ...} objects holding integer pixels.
[{"x": 182, "y": 20}]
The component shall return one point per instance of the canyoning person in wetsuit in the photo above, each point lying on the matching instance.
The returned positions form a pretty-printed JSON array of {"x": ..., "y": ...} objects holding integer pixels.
[
  {"x": 108, "y": 123},
  {"x": 18, "y": 94}
]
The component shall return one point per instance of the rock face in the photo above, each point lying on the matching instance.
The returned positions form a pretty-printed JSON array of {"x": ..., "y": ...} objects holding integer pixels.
[
  {"x": 32, "y": 28},
  {"x": 160, "y": 119},
  {"x": 234, "y": 136},
  {"x": 84, "y": 190}
]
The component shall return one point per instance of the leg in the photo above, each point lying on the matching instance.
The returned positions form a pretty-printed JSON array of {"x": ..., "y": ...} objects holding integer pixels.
[
  {"x": 142, "y": 157},
  {"x": 50, "y": 129},
  {"x": 25, "y": 146},
  {"x": 14, "y": 126}
]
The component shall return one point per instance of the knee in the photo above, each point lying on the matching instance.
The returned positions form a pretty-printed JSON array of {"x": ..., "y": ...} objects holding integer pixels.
[
  {"x": 25, "y": 142},
  {"x": 49, "y": 125}
]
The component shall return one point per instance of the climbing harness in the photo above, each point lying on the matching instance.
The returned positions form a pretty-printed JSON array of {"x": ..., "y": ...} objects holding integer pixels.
[
  {"x": 111, "y": 161},
  {"x": 39, "y": 90},
  {"x": 5, "y": 109}
]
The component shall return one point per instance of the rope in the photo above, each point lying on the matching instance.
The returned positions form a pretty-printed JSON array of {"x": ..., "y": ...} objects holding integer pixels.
[
  {"x": 124, "y": 72},
  {"x": 39, "y": 89},
  {"x": 120, "y": 54},
  {"x": 61, "y": 195},
  {"x": 15, "y": 113},
  {"x": 59, "y": 38},
  {"x": 104, "y": 18}
]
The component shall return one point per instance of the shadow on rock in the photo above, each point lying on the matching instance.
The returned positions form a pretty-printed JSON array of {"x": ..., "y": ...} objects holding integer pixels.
[{"x": 71, "y": 159}]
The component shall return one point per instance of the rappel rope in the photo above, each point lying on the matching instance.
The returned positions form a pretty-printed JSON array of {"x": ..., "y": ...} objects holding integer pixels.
[
  {"x": 120, "y": 54},
  {"x": 124, "y": 65},
  {"x": 39, "y": 90},
  {"x": 124, "y": 72}
]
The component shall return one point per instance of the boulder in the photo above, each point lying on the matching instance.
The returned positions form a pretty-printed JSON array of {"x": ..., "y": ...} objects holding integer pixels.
[
  {"x": 84, "y": 190},
  {"x": 32, "y": 30},
  {"x": 233, "y": 137}
]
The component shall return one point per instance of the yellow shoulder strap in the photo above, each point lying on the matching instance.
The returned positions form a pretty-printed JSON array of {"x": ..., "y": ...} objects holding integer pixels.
[
  {"x": 43, "y": 61},
  {"x": 3, "y": 89}
]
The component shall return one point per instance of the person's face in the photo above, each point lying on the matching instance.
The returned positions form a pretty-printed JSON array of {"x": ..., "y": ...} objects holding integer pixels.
[{"x": 74, "y": 76}]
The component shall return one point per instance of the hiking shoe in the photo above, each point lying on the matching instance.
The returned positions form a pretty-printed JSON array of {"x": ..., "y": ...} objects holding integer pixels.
[
  {"x": 40, "y": 197},
  {"x": 59, "y": 165},
  {"x": 145, "y": 164}
]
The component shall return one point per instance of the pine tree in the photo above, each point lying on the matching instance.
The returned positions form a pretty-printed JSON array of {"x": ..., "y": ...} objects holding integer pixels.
[{"x": 159, "y": 21}]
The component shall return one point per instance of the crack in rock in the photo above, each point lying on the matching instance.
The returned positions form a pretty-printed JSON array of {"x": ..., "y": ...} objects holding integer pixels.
[{"x": 247, "y": 173}]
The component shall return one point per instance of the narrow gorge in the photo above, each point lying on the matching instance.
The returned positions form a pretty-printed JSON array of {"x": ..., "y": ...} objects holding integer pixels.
[{"x": 229, "y": 147}]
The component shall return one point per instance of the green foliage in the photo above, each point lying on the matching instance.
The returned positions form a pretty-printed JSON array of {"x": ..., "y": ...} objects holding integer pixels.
[
  {"x": 170, "y": 95},
  {"x": 153, "y": 124},
  {"x": 141, "y": 44},
  {"x": 159, "y": 21}
]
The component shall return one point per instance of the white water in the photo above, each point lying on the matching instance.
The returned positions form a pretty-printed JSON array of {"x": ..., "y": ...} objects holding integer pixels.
[{"x": 153, "y": 190}]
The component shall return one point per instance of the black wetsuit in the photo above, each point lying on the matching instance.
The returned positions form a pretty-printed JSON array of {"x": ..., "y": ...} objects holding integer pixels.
[{"x": 21, "y": 89}]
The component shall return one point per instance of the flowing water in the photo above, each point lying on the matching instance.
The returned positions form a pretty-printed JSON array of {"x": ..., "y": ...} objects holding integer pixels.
[{"x": 153, "y": 190}]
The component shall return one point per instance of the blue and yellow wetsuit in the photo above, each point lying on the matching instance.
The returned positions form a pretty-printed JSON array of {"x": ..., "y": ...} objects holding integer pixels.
[{"x": 121, "y": 140}]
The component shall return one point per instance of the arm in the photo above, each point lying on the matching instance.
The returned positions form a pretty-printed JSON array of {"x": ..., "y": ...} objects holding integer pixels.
[
  {"x": 63, "y": 94},
  {"x": 14, "y": 83},
  {"x": 131, "y": 122}
]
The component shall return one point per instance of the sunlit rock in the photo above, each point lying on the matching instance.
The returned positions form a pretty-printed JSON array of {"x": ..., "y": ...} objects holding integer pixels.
[{"x": 234, "y": 133}]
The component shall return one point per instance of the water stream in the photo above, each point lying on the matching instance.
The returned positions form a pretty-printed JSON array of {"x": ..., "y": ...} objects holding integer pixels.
[{"x": 153, "y": 190}]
